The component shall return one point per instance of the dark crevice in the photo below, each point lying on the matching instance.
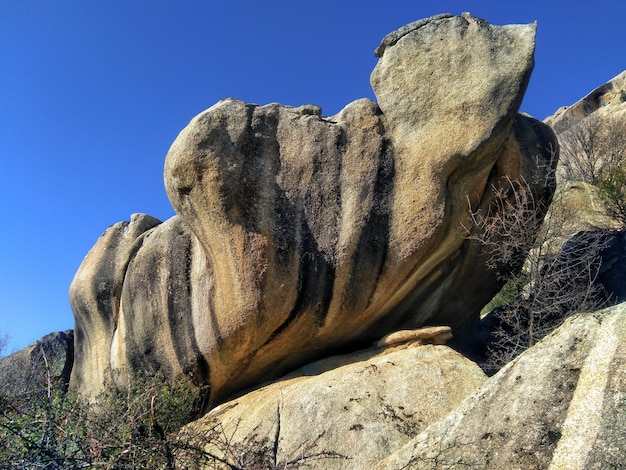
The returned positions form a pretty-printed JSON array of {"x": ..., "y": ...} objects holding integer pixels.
[{"x": 277, "y": 435}]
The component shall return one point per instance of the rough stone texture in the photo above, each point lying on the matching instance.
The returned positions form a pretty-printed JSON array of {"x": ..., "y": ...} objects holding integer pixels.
[
  {"x": 298, "y": 235},
  {"x": 95, "y": 299},
  {"x": 166, "y": 291},
  {"x": 560, "y": 405},
  {"x": 361, "y": 406},
  {"x": 426, "y": 335},
  {"x": 593, "y": 128},
  {"x": 612, "y": 273},
  {"x": 26, "y": 371},
  {"x": 605, "y": 99}
]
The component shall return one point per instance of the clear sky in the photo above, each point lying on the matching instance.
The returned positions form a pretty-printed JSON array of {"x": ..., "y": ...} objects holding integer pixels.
[{"x": 92, "y": 94}]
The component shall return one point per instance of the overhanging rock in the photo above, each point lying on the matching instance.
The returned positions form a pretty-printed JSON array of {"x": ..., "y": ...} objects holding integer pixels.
[{"x": 299, "y": 234}]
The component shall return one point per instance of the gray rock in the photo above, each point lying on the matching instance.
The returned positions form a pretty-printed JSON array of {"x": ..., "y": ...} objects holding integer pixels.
[
  {"x": 163, "y": 300},
  {"x": 393, "y": 37},
  {"x": 560, "y": 405},
  {"x": 95, "y": 295},
  {"x": 597, "y": 101},
  {"x": 46, "y": 362},
  {"x": 612, "y": 275},
  {"x": 343, "y": 412}
]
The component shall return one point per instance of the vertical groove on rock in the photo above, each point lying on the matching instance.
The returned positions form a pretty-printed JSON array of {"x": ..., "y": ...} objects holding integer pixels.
[
  {"x": 277, "y": 434},
  {"x": 370, "y": 254}
]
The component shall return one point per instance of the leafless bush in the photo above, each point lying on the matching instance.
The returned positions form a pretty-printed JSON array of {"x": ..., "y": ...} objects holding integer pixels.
[
  {"x": 216, "y": 449},
  {"x": 445, "y": 451},
  {"x": 592, "y": 146},
  {"x": 555, "y": 281},
  {"x": 4, "y": 342},
  {"x": 139, "y": 427},
  {"x": 612, "y": 190}
]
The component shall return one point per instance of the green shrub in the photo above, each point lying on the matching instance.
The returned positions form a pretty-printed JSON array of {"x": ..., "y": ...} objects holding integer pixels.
[{"x": 133, "y": 428}]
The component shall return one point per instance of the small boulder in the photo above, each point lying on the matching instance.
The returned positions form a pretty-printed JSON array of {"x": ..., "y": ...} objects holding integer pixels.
[{"x": 426, "y": 335}]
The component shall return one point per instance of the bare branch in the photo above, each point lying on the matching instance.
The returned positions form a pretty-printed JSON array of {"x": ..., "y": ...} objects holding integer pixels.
[
  {"x": 555, "y": 279},
  {"x": 592, "y": 146}
]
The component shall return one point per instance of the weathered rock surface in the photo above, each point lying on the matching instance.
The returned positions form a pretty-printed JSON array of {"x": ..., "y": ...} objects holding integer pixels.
[
  {"x": 605, "y": 99},
  {"x": 95, "y": 295},
  {"x": 343, "y": 412},
  {"x": 612, "y": 273},
  {"x": 560, "y": 405},
  {"x": 298, "y": 235},
  {"x": 27, "y": 371},
  {"x": 425, "y": 335},
  {"x": 592, "y": 132}
]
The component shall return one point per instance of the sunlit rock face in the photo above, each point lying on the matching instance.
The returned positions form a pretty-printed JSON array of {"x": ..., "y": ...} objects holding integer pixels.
[
  {"x": 299, "y": 234},
  {"x": 343, "y": 412},
  {"x": 561, "y": 404}
]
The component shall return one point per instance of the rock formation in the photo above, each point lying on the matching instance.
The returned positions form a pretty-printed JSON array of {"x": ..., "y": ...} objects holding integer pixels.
[
  {"x": 608, "y": 98},
  {"x": 592, "y": 132},
  {"x": 298, "y": 235},
  {"x": 342, "y": 412},
  {"x": 29, "y": 370},
  {"x": 592, "y": 137},
  {"x": 560, "y": 405},
  {"x": 426, "y": 335}
]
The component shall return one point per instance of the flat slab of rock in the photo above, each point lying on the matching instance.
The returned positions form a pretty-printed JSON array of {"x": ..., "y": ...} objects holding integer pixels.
[
  {"x": 426, "y": 335},
  {"x": 344, "y": 412}
]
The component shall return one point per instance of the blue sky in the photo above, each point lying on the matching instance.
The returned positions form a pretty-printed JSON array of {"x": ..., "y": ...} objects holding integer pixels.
[{"x": 92, "y": 94}]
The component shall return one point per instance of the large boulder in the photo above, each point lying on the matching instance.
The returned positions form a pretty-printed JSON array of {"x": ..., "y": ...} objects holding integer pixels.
[
  {"x": 343, "y": 412},
  {"x": 560, "y": 405},
  {"x": 298, "y": 235}
]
